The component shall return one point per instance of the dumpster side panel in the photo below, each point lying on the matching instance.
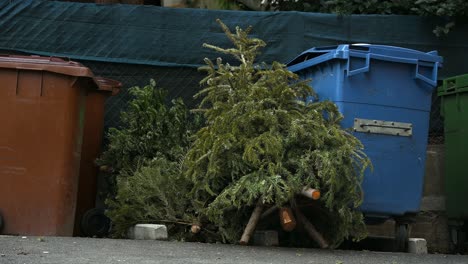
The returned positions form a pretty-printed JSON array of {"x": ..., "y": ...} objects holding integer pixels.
[
  {"x": 91, "y": 148},
  {"x": 455, "y": 109},
  {"x": 387, "y": 92},
  {"x": 39, "y": 151},
  {"x": 394, "y": 186}
]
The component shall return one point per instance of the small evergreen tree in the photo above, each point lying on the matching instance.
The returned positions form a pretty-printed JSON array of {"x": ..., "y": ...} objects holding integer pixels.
[
  {"x": 155, "y": 193},
  {"x": 146, "y": 155},
  {"x": 149, "y": 129},
  {"x": 262, "y": 141}
]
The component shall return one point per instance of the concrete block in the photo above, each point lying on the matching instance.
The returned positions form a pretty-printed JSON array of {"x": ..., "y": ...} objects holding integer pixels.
[
  {"x": 417, "y": 246},
  {"x": 148, "y": 232},
  {"x": 265, "y": 238}
]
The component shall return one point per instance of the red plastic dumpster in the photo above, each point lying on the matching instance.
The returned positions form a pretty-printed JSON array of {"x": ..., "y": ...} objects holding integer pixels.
[{"x": 42, "y": 114}]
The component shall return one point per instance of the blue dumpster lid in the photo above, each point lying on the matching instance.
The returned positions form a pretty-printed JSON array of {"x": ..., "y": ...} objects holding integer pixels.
[{"x": 317, "y": 55}]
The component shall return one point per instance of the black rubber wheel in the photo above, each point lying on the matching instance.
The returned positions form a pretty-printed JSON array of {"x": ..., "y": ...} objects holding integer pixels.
[
  {"x": 95, "y": 223},
  {"x": 401, "y": 237},
  {"x": 1, "y": 223},
  {"x": 461, "y": 239},
  {"x": 458, "y": 236}
]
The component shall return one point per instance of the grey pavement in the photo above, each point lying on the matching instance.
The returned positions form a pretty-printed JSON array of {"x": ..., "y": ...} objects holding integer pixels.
[{"x": 63, "y": 250}]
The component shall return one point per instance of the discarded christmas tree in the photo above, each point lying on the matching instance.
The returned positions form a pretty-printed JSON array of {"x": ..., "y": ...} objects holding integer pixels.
[
  {"x": 264, "y": 142},
  {"x": 144, "y": 160}
]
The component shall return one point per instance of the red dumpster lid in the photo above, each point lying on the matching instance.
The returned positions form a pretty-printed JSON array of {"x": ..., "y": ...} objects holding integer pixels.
[
  {"x": 57, "y": 65},
  {"x": 108, "y": 85}
]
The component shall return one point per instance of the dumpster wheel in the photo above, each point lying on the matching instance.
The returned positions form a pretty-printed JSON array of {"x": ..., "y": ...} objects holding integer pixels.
[
  {"x": 401, "y": 237},
  {"x": 1, "y": 223},
  {"x": 95, "y": 223},
  {"x": 458, "y": 237}
]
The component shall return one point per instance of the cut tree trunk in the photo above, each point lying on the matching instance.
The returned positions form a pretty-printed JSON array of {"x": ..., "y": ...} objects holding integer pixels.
[
  {"x": 287, "y": 219},
  {"x": 310, "y": 229},
  {"x": 313, "y": 194},
  {"x": 195, "y": 229},
  {"x": 254, "y": 218}
]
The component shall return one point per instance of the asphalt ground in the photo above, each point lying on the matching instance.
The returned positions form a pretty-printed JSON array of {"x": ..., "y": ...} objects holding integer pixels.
[{"x": 64, "y": 250}]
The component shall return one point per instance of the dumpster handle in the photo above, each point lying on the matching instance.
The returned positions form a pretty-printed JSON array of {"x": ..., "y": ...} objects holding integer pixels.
[
  {"x": 359, "y": 70},
  {"x": 433, "y": 80}
]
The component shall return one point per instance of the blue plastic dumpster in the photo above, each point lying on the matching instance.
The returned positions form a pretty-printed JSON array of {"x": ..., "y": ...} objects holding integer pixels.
[{"x": 384, "y": 93}]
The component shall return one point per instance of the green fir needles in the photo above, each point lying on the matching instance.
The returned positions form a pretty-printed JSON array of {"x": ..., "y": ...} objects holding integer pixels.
[{"x": 262, "y": 141}]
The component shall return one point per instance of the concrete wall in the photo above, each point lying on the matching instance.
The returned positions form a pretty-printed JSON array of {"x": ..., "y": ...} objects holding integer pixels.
[{"x": 434, "y": 194}]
